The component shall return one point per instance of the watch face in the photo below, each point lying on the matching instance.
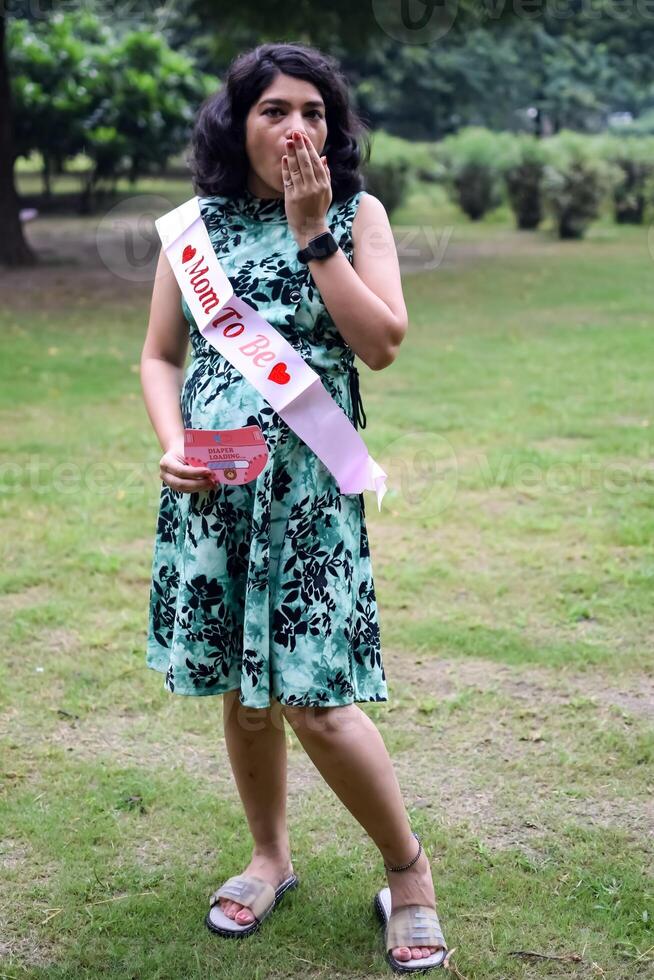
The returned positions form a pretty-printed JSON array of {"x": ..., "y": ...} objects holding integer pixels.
[
  {"x": 324, "y": 245},
  {"x": 320, "y": 247}
]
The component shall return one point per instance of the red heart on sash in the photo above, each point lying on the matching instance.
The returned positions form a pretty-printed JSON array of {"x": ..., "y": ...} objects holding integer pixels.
[
  {"x": 188, "y": 253},
  {"x": 280, "y": 374}
]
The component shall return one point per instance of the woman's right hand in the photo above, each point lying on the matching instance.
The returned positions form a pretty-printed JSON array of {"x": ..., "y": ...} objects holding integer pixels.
[{"x": 180, "y": 476}]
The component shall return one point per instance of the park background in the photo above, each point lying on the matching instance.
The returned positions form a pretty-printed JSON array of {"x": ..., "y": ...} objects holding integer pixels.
[{"x": 513, "y": 147}]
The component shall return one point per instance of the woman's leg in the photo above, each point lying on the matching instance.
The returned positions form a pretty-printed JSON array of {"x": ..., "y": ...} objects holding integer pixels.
[
  {"x": 346, "y": 747},
  {"x": 256, "y": 745}
]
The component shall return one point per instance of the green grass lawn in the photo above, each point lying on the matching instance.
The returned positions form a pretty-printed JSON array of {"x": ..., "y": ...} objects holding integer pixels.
[{"x": 514, "y": 567}]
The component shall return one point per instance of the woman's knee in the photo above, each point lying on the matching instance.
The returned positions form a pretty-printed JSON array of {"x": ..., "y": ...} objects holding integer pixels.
[
  {"x": 251, "y": 719},
  {"x": 326, "y": 721}
]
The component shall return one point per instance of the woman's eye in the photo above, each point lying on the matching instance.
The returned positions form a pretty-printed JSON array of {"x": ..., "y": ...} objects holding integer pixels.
[{"x": 312, "y": 112}]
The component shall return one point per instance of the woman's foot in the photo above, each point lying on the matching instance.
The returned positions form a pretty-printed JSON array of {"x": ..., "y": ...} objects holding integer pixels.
[
  {"x": 272, "y": 867},
  {"x": 413, "y": 886}
]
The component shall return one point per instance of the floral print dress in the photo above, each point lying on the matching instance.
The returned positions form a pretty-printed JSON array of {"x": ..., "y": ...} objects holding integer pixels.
[{"x": 267, "y": 588}]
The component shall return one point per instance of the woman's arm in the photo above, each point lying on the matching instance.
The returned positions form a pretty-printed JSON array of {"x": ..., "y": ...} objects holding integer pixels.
[
  {"x": 365, "y": 299},
  {"x": 163, "y": 358},
  {"x": 162, "y": 375}
]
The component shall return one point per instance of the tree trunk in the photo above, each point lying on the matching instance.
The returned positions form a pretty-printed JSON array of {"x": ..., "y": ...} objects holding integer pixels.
[
  {"x": 86, "y": 198},
  {"x": 46, "y": 178},
  {"x": 14, "y": 249}
]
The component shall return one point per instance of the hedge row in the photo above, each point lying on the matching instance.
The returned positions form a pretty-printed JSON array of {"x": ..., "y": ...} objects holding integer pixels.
[{"x": 570, "y": 176}]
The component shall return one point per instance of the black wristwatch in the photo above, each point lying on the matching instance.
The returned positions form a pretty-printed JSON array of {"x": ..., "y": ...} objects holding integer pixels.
[{"x": 320, "y": 247}]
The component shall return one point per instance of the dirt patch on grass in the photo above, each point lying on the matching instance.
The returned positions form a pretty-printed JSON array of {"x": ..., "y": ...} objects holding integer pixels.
[
  {"x": 493, "y": 759},
  {"x": 27, "y": 949},
  {"x": 13, "y": 602},
  {"x": 129, "y": 740},
  {"x": 20, "y": 870},
  {"x": 531, "y": 684},
  {"x": 14, "y": 854},
  {"x": 428, "y": 248},
  {"x": 61, "y": 640},
  {"x": 513, "y": 810},
  {"x": 72, "y": 271}
]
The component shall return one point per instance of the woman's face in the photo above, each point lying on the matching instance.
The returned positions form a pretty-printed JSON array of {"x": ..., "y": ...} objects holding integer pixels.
[{"x": 287, "y": 104}]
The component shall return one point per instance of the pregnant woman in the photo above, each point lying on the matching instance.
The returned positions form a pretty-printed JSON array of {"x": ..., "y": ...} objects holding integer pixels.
[{"x": 264, "y": 592}]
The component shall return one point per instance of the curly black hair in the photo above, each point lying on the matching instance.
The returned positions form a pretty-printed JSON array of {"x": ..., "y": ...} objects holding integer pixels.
[{"x": 218, "y": 159}]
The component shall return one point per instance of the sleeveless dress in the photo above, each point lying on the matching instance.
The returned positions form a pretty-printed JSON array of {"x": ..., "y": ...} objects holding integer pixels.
[{"x": 267, "y": 588}]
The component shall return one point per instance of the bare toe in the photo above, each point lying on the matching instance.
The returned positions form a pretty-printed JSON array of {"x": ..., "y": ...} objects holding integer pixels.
[{"x": 401, "y": 953}]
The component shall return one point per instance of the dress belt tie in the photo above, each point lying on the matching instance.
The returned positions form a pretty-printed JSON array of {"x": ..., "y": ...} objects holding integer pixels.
[{"x": 357, "y": 404}]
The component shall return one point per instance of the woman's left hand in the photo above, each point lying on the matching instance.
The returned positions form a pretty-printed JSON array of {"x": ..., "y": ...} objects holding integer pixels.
[{"x": 308, "y": 196}]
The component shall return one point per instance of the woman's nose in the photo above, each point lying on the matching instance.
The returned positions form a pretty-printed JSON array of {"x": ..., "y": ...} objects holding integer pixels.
[{"x": 294, "y": 129}]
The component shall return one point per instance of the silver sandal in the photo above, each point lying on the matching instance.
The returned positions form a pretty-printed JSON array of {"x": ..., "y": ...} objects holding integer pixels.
[
  {"x": 409, "y": 925},
  {"x": 259, "y": 896}
]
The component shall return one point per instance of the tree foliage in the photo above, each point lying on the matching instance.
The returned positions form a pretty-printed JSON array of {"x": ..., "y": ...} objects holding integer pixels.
[{"x": 125, "y": 101}]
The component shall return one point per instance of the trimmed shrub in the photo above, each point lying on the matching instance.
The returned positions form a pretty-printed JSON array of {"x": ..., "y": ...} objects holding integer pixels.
[
  {"x": 474, "y": 159},
  {"x": 634, "y": 157},
  {"x": 387, "y": 181},
  {"x": 576, "y": 181},
  {"x": 524, "y": 176}
]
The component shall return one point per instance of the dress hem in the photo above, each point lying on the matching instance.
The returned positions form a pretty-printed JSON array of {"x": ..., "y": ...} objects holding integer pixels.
[{"x": 209, "y": 692}]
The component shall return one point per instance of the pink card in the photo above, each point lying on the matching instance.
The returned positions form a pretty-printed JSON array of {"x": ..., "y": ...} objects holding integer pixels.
[{"x": 234, "y": 456}]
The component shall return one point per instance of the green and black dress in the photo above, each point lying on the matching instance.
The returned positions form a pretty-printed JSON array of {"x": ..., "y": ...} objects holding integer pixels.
[{"x": 267, "y": 588}]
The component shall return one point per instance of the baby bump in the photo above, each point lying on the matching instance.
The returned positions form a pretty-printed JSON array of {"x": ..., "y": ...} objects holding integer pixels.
[{"x": 215, "y": 395}]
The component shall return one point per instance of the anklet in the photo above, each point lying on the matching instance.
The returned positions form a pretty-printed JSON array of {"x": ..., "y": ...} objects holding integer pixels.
[{"x": 403, "y": 867}]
